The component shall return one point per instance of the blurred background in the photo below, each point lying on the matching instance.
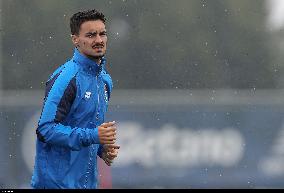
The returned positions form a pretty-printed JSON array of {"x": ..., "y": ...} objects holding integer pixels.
[{"x": 198, "y": 89}]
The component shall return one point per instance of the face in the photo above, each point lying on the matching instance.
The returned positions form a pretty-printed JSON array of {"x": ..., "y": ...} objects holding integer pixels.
[{"x": 92, "y": 39}]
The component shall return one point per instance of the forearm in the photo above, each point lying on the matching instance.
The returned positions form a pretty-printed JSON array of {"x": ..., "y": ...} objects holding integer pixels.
[{"x": 65, "y": 136}]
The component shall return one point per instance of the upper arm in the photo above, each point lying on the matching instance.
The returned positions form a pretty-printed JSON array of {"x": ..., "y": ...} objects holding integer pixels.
[{"x": 59, "y": 96}]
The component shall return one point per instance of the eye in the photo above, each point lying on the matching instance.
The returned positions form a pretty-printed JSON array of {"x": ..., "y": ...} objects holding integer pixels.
[{"x": 103, "y": 33}]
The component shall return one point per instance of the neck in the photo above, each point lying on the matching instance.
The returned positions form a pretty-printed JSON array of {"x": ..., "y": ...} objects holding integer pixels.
[{"x": 96, "y": 59}]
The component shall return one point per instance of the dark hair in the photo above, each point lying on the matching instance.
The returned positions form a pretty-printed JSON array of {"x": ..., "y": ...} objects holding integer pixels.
[{"x": 78, "y": 18}]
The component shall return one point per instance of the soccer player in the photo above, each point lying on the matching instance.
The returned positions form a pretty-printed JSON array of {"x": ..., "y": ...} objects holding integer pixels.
[{"x": 72, "y": 130}]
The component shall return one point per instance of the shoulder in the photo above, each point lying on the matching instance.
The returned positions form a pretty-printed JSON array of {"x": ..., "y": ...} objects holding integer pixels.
[
  {"x": 106, "y": 78},
  {"x": 65, "y": 72},
  {"x": 69, "y": 71},
  {"x": 63, "y": 78}
]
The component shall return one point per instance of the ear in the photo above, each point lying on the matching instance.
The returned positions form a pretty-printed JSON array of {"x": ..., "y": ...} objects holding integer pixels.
[{"x": 75, "y": 39}]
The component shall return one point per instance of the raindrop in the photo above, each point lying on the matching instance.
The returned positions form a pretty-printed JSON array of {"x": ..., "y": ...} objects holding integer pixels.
[
  {"x": 227, "y": 63},
  {"x": 216, "y": 53}
]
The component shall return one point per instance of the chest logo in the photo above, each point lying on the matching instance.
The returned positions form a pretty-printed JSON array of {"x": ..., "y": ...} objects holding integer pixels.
[{"x": 88, "y": 95}]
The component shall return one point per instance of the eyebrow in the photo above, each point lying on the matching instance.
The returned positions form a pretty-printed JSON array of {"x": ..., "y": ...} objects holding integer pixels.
[{"x": 94, "y": 33}]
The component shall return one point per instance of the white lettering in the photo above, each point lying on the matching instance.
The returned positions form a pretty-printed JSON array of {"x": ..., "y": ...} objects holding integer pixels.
[{"x": 178, "y": 147}]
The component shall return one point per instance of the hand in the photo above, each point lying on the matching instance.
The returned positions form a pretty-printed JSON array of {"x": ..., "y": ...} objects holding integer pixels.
[
  {"x": 109, "y": 152},
  {"x": 107, "y": 133}
]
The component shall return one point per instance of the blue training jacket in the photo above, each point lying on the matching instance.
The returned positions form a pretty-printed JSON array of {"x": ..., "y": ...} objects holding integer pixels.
[{"x": 75, "y": 103}]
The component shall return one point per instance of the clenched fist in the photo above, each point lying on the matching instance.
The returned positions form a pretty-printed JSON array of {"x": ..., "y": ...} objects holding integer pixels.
[
  {"x": 109, "y": 152},
  {"x": 107, "y": 133}
]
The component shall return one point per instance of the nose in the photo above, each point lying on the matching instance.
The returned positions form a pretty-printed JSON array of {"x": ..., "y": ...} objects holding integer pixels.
[{"x": 98, "y": 39}]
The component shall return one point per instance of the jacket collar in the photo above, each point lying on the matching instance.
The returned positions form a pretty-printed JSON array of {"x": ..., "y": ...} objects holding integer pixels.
[{"x": 90, "y": 66}]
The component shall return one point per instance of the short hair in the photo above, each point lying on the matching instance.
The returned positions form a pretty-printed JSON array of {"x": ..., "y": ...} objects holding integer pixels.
[{"x": 78, "y": 18}]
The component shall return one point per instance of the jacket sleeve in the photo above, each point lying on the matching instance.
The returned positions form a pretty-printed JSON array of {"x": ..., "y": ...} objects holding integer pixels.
[{"x": 60, "y": 94}]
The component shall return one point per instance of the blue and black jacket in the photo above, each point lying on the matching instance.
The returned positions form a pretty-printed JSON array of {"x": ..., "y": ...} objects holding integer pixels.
[{"x": 76, "y": 100}]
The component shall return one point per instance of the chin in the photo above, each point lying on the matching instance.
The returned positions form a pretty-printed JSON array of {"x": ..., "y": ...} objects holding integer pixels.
[{"x": 97, "y": 56}]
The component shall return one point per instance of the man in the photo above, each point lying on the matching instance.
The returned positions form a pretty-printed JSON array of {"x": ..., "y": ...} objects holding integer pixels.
[{"x": 72, "y": 131}]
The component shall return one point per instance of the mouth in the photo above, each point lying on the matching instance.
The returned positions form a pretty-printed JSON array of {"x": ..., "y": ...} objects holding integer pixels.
[{"x": 98, "y": 48}]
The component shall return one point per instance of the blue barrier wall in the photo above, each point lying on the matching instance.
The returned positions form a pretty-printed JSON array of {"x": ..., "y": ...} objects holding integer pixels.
[{"x": 166, "y": 145}]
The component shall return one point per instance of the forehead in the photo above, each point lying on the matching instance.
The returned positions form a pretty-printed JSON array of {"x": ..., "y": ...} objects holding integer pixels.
[{"x": 92, "y": 26}]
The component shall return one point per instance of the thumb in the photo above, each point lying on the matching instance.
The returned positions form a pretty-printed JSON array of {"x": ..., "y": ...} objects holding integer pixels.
[
  {"x": 112, "y": 146},
  {"x": 108, "y": 124}
]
